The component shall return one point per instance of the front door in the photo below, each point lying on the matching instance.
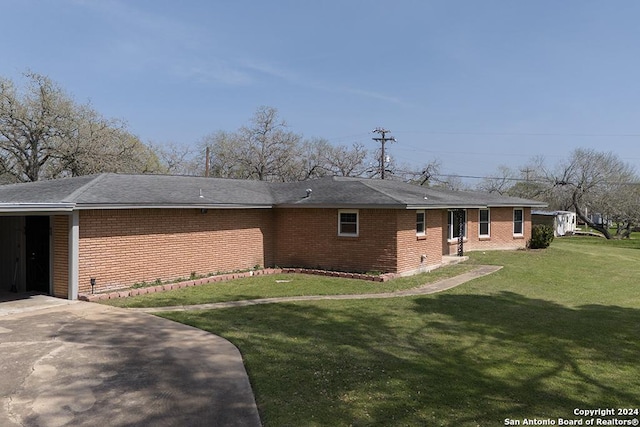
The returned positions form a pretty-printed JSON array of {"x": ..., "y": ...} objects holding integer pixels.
[{"x": 37, "y": 252}]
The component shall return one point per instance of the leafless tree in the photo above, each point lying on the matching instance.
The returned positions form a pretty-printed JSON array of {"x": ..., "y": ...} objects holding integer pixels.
[
  {"x": 266, "y": 150},
  {"x": 344, "y": 160},
  {"x": 269, "y": 148},
  {"x": 588, "y": 182},
  {"x": 501, "y": 181},
  {"x": 44, "y": 134},
  {"x": 178, "y": 159},
  {"x": 31, "y": 125},
  {"x": 599, "y": 182},
  {"x": 93, "y": 144},
  {"x": 426, "y": 175}
]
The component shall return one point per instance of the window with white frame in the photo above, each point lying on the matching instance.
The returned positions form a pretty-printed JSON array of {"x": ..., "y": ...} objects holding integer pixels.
[
  {"x": 454, "y": 221},
  {"x": 518, "y": 222},
  {"x": 421, "y": 224},
  {"x": 484, "y": 223},
  {"x": 348, "y": 222}
]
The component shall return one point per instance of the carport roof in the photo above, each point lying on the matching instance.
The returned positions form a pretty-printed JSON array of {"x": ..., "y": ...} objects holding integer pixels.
[{"x": 118, "y": 191}]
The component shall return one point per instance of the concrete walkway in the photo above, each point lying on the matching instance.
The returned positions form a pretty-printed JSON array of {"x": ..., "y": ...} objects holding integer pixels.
[
  {"x": 84, "y": 364},
  {"x": 430, "y": 288}
]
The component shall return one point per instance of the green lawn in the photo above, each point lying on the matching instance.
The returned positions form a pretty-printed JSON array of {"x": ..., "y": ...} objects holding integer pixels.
[
  {"x": 552, "y": 331},
  {"x": 280, "y": 285}
]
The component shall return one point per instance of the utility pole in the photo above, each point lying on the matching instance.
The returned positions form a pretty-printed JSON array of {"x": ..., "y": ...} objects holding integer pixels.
[
  {"x": 527, "y": 171},
  {"x": 206, "y": 163},
  {"x": 383, "y": 139}
]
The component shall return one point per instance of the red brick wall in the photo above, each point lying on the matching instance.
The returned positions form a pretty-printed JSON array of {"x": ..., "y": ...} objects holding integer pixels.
[
  {"x": 411, "y": 247},
  {"x": 309, "y": 238},
  {"x": 122, "y": 247},
  {"x": 60, "y": 263},
  {"x": 501, "y": 231}
]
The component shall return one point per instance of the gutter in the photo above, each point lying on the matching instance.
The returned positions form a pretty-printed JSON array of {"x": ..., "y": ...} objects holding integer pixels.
[
  {"x": 15, "y": 208},
  {"x": 93, "y": 206},
  {"x": 336, "y": 206},
  {"x": 432, "y": 207}
]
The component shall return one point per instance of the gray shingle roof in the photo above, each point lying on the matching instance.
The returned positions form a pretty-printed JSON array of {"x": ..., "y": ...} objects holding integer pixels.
[
  {"x": 121, "y": 191},
  {"x": 340, "y": 191},
  {"x": 114, "y": 190}
]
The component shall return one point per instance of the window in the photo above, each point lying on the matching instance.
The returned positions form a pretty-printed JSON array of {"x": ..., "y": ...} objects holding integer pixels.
[
  {"x": 348, "y": 223},
  {"x": 421, "y": 229},
  {"x": 518, "y": 221},
  {"x": 484, "y": 221},
  {"x": 454, "y": 222}
]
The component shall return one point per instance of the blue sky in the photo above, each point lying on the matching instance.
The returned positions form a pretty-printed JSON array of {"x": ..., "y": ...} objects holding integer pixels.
[{"x": 473, "y": 84}]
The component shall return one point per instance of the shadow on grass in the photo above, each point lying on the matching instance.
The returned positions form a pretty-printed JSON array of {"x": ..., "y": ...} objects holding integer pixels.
[
  {"x": 438, "y": 360},
  {"x": 543, "y": 357}
]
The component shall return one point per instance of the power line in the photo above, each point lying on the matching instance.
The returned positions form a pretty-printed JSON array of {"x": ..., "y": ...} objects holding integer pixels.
[
  {"x": 538, "y": 180},
  {"x": 596, "y": 135}
]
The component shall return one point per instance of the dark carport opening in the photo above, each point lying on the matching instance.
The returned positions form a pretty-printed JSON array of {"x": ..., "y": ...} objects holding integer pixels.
[
  {"x": 25, "y": 253},
  {"x": 37, "y": 247}
]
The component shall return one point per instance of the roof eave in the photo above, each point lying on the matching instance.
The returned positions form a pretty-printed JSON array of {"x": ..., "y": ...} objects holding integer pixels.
[
  {"x": 93, "y": 206},
  {"x": 516, "y": 205},
  {"x": 338, "y": 206},
  {"x": 17, "y": 208},
  {"x": 445, "y": 206}
]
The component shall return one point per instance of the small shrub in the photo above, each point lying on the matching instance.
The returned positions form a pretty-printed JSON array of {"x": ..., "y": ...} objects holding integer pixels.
[{"x": 541, "y": 237}]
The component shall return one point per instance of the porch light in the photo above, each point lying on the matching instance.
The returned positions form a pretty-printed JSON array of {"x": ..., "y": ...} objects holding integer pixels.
[{"x": 93, "y": 284}]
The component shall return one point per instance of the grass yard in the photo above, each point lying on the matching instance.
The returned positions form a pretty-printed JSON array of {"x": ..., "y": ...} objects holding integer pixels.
[
  {"x": 280, "y": 285},
  {"x": 552, "y": 331}
]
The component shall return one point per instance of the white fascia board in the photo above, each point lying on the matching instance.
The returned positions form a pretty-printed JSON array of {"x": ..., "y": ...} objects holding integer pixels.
[
  {"x": 514, "y": 205},
  {"x": 336, "y": 206},
  {"x": 436, "y": 207},
  {"x": 22, "y": 208},
  {"x": 200, "y": 206}
]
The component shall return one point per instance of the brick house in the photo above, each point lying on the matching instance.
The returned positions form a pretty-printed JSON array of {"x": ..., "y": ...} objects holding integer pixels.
[{"x": 56, "y": 236}]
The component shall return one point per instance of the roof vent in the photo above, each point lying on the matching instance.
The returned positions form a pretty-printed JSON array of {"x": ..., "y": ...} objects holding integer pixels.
[
  {"x": 201, "y": 196},
  {"x": 309, "y": 191}
]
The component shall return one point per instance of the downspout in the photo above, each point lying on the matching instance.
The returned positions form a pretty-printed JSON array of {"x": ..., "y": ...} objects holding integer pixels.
[{"x": 74, "y": 254}]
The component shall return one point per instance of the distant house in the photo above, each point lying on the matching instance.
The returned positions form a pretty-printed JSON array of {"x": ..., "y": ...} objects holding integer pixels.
[
  {"x": 59, "y": 236},
  {"x": 563, "y": 222}
]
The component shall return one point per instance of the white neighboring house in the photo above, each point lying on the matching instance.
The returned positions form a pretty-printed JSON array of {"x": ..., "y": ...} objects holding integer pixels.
[{"x": 563, "y": 222}]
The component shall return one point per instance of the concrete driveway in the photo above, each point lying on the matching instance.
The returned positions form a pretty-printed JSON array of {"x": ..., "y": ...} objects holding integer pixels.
[{"x": 68, "y": 363}]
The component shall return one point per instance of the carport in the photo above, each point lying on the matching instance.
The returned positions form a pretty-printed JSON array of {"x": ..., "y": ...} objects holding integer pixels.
[{"x": 26, "y": 247}]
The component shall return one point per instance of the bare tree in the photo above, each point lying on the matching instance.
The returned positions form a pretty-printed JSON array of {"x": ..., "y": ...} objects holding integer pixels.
[
  {"x": 44, "y": 134},
  {"x": 426, "y": 175},
  {"x": 265, "y": 150},
  {"x": 450, "y": 182},
  {"x": 588, "y": 182},
  {"x": 268, "y": 148},
  {"x": 600, "y": 183},
  {"x": 343, "y": 160},
  {"x": 31, "y": 125},
  {"x": 226, "y": 153},
  {"x": 500, "y": 183},
  {"x": 93, "y": 144},
  {"x": 178, "y": 159}
]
